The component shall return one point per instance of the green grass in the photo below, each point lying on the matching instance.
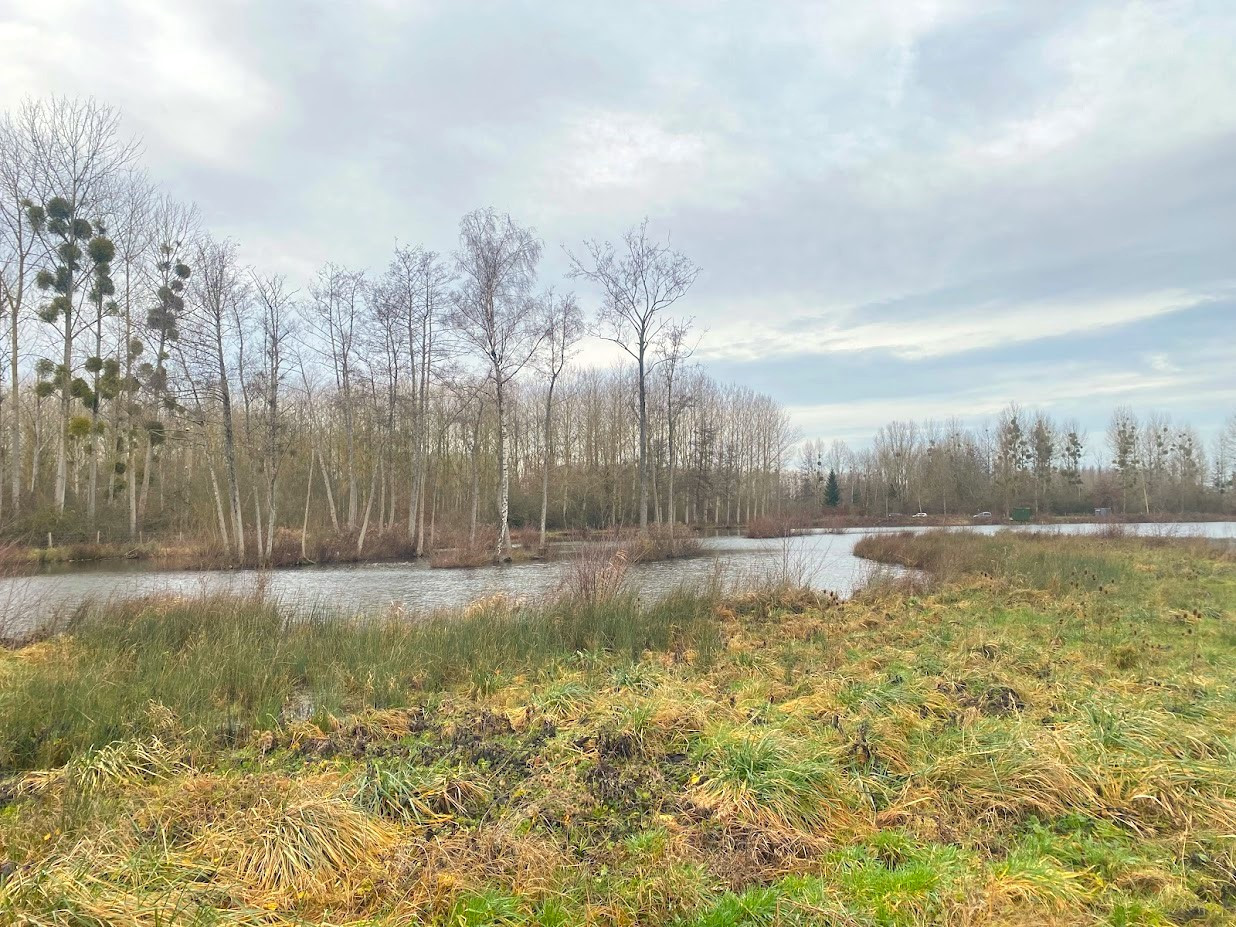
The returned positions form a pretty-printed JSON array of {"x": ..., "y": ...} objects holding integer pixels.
[
  {"x": 766, "y": 776},
  {"x": 226, "y": 666},
  {"x": 1045, "y": 732}
]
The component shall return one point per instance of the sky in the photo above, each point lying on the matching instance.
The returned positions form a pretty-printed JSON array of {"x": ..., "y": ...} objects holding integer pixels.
[{"x": 901, "y": 209}]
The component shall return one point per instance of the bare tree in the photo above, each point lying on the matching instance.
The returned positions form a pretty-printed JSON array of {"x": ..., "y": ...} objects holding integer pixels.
[
  {"x": 219, "y": 290},
  {"x": 674, "y": 352},
  {"x": 338, "y": 300},
  {"x": 416, "y": 284},
  {"x": 639, "y": 282},
  {"x": 563, "y": 326},
  {"x": 19, "y": 244},
  {"x": 275, "y": 326},
  {"x": 496, "y": 261}
]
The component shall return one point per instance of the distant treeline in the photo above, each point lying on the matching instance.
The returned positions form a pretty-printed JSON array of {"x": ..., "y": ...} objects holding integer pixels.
[{"x": 1147, "y": 466}]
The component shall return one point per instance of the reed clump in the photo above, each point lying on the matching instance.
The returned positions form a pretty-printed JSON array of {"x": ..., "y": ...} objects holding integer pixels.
[
  {"x": 461, "y": 548},
  {"x": 775, "y": 526}
]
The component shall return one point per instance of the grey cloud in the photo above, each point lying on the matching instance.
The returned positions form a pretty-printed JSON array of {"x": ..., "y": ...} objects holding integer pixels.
[{"x": 828, "y": 164}]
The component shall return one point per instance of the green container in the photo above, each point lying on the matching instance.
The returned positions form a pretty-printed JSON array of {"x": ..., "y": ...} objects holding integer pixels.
[{"x": 1021, "y": 514}]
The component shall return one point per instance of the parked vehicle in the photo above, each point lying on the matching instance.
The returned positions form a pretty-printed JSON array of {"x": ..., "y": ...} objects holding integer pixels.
[
  {"x": 982, "y": 515},
  {"x": 919, "y": 515}
]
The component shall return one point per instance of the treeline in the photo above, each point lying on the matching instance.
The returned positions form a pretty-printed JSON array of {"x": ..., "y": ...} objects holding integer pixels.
[
  {"x": 156, "y": 384},
  {"x": 1147, "y": 466}
]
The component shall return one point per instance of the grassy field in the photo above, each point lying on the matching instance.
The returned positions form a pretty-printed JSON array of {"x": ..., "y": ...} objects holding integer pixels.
[{"x": 1042, "y": 733}]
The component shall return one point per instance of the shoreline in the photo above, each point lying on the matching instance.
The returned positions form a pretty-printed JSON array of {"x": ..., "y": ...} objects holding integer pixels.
[{"x": 158, "y": 556}]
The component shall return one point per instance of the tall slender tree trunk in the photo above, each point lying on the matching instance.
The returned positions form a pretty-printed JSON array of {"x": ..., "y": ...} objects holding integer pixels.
[
  {"x": 330, "y": 493},
  {"x": 93, "y": 489},
  {"x": 36, "y": 450},
  {"x": 549, "y": 457},
  {"x": 504, "y": 477},
  {"x": 229, "y": 449},
  {"x": 130, "y": 470},
  {"x": 15, "y": 462},
  {"x": 272, "y": 497},
  {"x": 62, "y": 450},
  {"x": 304, "y": 525},
  {"x": 420, "y": 510},
  {"x": 259, "y": 547},
  {"x": 373, "y": 491},
  {"x": 670, "y": 451},
  {"x": 414, "y": 477},
  {"x": 214, "y": 486},
  {"x": 350, "y": 439},
  {"x": 476, "y": 490},
  {"x": 147, "y": 466},
  {"x": 643, "y": 445}
]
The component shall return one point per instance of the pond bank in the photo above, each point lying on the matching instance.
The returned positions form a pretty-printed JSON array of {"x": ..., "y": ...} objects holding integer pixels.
[{"x": 824, "y": 560}]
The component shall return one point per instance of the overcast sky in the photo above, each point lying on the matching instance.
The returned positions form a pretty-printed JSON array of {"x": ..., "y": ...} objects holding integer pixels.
[{"x": 902, "y": 209}]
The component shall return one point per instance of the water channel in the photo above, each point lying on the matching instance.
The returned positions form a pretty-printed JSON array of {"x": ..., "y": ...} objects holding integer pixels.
[{"x": 825, "y": 560}]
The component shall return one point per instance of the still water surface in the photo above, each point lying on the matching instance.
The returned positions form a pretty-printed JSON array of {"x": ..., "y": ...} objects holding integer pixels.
[{"x": 827, "y": 561}]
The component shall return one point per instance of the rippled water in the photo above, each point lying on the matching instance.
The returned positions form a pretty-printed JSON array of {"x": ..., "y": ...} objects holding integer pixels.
[{"x": 825, "y": 560}]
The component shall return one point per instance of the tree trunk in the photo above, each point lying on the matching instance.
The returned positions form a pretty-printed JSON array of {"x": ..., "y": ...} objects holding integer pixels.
[
  {"x": 62, "y": 453},
  {"x": 413, "y": 482},
  {"x": 36, "y": 452},
  {"x": 549, "y": 407},
  {"x": 330, "y": 493},
  {"x": 670, "y": 476},
  {"x": 419, "y": 548},
  {"x": 504, "y": 488},
  {"x": 214, "y": 486},
  {"x": 350, "y": 438},
  {"x": 304, "y": 525},
  {"x": 15, "y": 393},
  {"x": 476, "y": 477},
  {"x": 643, "y": 445},
  {"x": 259, "y": 548},
  {"x": 229, "y": 449},
  {"x": 130, "y": 470},
  {"x": 373, "y": 489},
  {"x": 271, "y": 510},
  {"x": 93, "y": 489}
]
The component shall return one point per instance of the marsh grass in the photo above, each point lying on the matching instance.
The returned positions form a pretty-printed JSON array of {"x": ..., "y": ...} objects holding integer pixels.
[
  {"x": 458, "y": 548},
  {"x": 1043, "y": 733},
  {"x": 661, "y": 542},
  {"x": 774, "y": 526},
  {"x": 1041, "y": 560},
  {"x": 226, "y": 666}
]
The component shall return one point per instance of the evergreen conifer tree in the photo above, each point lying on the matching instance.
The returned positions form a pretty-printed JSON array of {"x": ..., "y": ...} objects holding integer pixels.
[{"x": 832, "y": 491}]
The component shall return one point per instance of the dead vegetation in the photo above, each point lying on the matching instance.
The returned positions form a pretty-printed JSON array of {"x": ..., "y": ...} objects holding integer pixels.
[{"x": 775, "y": 526}]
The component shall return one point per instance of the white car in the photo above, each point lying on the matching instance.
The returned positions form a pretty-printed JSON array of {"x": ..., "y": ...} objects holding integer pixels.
[{"x": 919, "y": 515}]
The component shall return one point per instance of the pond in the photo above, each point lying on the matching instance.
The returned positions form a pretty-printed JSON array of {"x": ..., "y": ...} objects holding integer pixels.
[{"x": 825, "y": 560}]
